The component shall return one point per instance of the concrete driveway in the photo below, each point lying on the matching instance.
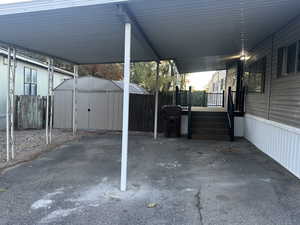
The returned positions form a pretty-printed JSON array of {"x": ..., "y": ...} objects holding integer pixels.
[{"x": 171, "y": 182}]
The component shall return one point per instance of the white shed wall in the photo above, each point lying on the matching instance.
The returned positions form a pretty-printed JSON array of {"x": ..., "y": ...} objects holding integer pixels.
[{"x": 105, "y": 110}]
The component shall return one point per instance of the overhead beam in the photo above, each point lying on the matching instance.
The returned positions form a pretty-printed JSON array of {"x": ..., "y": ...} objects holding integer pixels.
[{"x": 127, "y": 16}]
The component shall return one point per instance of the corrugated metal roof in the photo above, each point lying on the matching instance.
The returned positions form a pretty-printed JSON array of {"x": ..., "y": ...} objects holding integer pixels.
[{"x": 198, "y": 34}]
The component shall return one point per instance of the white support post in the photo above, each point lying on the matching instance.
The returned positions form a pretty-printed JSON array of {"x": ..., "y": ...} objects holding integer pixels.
[
  {"x": 51, "y": 101},
  {"x": 8, "y": 107},
  {"x": 156, "y": 101},
  {"x": 75, "y": 84},
  {"x": 47, "y": 104},
  {"x": 12, "y": 116},
  {"x": 125, "y": 106}
]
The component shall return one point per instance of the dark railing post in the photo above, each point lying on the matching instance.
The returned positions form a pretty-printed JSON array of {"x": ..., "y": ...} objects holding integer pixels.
[
  {"x": 190, "y": 113},
  {"x": 228, "y": 101},
  {"x": 223, "y": 99},
  {"x": 242, "y": 105},
  {"x": 177, "y": 97},
  {"x": 205, "y": 101}
]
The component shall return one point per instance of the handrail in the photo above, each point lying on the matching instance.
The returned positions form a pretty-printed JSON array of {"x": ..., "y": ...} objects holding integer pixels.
[{"x": 230, "y": 114}]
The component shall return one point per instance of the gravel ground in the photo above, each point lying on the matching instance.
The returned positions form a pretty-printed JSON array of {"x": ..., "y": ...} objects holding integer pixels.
[{"x": 31, "y": 143}]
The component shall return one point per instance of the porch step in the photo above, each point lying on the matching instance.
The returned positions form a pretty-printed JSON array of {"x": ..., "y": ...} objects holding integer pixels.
[
  {"x": 211, "y": 137},
  {"x": 209, "y": 126}
]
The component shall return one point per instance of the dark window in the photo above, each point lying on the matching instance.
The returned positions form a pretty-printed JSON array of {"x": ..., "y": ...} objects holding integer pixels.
[
  {"x": 291, "y": 58},
  {"x": 280, "y": 60},
  {"x": 255, "y": 76},
  {"x": 288, "y": 60},
  {"x": 30, "y": 81}
]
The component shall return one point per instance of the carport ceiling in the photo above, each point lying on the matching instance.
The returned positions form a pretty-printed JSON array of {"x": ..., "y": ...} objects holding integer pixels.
[{"x": 197, "y": 34}]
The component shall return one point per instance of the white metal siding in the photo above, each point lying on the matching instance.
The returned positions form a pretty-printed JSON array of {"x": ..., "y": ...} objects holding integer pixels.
[
  {"x": 64, "y": 120},
  {"x": 280, "y": 142},
  {"x": 82, "y": 109},
  {"x": 105, "y": 110}
]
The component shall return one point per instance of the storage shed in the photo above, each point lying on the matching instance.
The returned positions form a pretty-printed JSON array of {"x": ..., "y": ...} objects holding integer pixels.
[{"x": 99, "y": 103}]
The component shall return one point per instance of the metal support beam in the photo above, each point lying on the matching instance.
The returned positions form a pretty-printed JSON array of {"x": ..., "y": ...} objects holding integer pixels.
[
  {"x": 51, "y": 101},
  {"x": 12, "y": 97},
  {"x": 10, "y": 119},
  {"x": 75, "y": 85},
  {"x": 128, "y": 17},
  {"x": 8, "y": 107},
  {"x": 126, "y": 106},
  {"x": 156, "y": 101},
  {"x": 49, "y": 105}
]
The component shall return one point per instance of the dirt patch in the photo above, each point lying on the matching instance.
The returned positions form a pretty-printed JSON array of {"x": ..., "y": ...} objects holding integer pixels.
[{"x": 29, "y": 144}]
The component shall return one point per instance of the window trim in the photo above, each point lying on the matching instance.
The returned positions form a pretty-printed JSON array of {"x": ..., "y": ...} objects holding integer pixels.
[
  {"x": 264, "y": 62},
  {"x": 284, "y": 67},
  {"x": 30, "y": 83}
]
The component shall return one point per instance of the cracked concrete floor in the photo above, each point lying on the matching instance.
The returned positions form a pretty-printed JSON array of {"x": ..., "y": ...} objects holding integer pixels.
[{"x": 171, "y": 182}]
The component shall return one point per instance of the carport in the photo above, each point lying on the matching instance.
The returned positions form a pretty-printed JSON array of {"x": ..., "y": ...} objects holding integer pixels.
[{"x": 197, "y": 35}]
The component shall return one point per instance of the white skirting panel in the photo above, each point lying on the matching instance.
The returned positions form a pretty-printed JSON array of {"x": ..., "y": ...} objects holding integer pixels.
[{"x": 279, "y": 141}]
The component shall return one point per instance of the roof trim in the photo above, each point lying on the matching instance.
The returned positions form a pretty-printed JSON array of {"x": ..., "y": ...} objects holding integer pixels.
[
  {"x": 45, "y": 5},
  {"x": 36, "y": 63}
]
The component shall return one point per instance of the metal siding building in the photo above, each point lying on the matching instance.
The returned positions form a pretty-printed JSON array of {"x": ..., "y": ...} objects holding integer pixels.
[
  {"x": 100, "y": 103},
  {"x": 272, "y": 121}
]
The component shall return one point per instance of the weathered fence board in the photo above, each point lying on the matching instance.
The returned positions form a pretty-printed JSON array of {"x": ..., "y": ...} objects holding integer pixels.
[
  {"x": 30, "y": 112},
  {"x": 141, "y": 111}
]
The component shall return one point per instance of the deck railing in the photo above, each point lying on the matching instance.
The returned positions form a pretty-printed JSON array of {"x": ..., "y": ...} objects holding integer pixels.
[
  {"x": 215, "y": 99},
  {"x": 200, "y": 98}
]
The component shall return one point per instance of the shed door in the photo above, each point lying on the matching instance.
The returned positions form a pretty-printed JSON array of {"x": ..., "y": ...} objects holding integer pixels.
[
  {"x": 98, "y": 116},
  {"x": 83, "y": 110}
]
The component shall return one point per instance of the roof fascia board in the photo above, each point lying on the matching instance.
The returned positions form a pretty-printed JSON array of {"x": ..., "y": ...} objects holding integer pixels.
[
  {"x": 44, "y": 5},
  {"x": 36, "y": 63},
  {"x": 37, "y": 52}
]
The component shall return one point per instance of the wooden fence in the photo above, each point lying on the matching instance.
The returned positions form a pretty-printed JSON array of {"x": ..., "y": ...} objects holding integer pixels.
[
  {"x": 30, "y": 112},
  {"x": 141, "y": 111}
]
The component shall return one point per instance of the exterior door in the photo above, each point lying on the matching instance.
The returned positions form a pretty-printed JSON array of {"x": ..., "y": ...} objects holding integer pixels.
[
  {"x": 98, "y": 115},
  {"x": 83, "y": 110}
]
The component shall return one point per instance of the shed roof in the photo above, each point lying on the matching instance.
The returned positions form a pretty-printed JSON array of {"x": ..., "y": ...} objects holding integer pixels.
[
  {"x": 133, "y": 88},
  {"x": 96, "y": 84},
  {"x": 197, "y": 34}
]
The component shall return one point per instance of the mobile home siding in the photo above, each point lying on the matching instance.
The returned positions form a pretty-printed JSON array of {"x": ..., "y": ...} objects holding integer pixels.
[
  {"x": 258, "y": 103},
  {"x": 285, "y": 92},
  {"x": 272, "y": 119},
  {"x": 42, "y": 83},
  {"x": 281, "y": 103}
]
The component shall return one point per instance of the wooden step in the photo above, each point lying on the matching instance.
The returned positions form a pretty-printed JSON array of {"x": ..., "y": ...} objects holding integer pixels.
[
  {"x": 209, "y": 126},
  {"x": 209, "y": 123},
  {"x": 211, "y": 137},
  {"x": 209, "y": 115},
  {"x": 210, "y": 131}
]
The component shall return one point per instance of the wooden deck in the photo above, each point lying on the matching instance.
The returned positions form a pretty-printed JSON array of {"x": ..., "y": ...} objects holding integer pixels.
[{"x": 206, "y": 109}]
